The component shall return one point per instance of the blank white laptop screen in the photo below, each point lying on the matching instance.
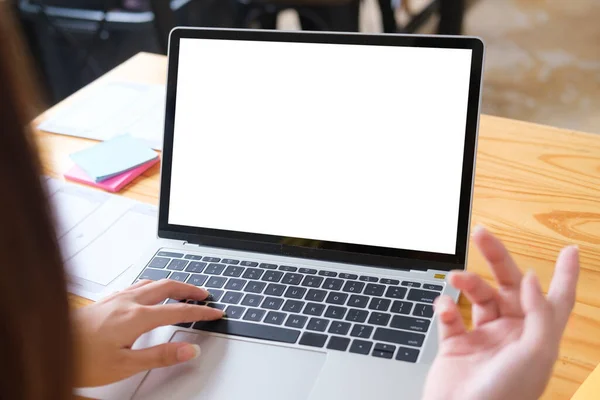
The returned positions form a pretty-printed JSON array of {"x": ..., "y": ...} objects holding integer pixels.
[{"x": 344, "y": 143}]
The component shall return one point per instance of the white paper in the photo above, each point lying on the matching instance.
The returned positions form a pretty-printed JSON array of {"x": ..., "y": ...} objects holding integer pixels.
[
  {"x": 100, "y": 235},
  {"x": 113, "y": 109}
]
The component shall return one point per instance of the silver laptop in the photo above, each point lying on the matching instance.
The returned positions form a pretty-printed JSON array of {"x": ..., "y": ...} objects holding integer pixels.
[{"x": 319, "y": 186}]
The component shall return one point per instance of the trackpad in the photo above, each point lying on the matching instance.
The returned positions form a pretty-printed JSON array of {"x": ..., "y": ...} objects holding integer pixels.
[{"x": 235, "y": 369}]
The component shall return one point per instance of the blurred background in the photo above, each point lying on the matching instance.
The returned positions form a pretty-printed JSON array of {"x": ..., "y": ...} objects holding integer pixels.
[{"x": 542, "y": 62}]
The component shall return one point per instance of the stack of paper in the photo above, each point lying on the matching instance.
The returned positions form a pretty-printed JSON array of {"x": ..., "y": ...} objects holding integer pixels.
[{"x": 112, "y": 164}]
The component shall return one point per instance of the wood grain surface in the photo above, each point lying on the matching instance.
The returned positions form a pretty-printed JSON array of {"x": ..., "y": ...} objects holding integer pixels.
[{"x": 536, "y": 187}]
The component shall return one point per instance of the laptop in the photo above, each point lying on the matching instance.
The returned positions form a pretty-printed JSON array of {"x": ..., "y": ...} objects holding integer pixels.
[{"x": 319, "y": 186}]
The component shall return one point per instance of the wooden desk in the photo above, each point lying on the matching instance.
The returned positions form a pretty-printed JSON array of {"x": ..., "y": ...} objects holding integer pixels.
[{"x": 537, "y": 187}]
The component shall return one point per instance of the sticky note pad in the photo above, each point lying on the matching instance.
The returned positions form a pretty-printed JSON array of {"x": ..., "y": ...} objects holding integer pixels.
[
  {"x": 113, "y": 157},
  {"x": 114, "y": 184}
]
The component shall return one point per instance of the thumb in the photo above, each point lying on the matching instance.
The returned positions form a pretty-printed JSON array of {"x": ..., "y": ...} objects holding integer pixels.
[{"x": 163, "y": 355}]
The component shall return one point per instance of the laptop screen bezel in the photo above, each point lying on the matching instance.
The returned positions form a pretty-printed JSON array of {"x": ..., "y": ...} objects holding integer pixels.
[{"x": 315, "y": 249}]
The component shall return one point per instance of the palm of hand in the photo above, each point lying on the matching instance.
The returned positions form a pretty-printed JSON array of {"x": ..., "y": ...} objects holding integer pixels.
[{"x": 510, "y": 352}]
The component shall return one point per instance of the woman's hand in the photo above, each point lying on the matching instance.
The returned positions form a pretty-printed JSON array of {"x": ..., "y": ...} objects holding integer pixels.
[
  {"x": 512, "y": 348},
  {"x": 105, "y": 331}
]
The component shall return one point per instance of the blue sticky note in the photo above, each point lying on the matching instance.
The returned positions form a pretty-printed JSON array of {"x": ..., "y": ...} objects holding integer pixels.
[{"x": 112, "y": 157}]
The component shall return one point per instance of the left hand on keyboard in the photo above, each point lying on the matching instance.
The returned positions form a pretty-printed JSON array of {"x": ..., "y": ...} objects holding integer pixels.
[{"x": 105, "y": 331}]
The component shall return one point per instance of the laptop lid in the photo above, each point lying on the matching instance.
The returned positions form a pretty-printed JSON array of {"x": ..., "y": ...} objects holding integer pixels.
[{"x": 340, "y": 147}]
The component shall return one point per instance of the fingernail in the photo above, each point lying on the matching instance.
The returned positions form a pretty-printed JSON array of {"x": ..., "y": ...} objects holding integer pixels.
[
  {"x": 189, "y": 352},
  {"x": 478, "y": 228}
]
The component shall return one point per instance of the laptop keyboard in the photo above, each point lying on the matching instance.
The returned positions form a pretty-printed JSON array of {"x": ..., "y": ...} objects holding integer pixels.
[{"x": 380, "y": 317}]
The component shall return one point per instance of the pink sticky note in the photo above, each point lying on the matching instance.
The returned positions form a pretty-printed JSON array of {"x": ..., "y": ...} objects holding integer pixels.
[{"x": 114, "y": 184}]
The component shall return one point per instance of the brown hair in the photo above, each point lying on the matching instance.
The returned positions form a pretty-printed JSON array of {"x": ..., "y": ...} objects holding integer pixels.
[{"x": 36, "y": 358}]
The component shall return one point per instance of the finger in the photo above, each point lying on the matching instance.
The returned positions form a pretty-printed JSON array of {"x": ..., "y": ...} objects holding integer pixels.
[
  {"x": 450, "y": 322},
  {"x": 538, "y": 318},
  {"x": 159, "y": 291},
  {"x": 483, "y": 296},
  {"x": 498, "y": 259},
  {"x": 163, "y": 355},
  {"x": 151, "y": 317},
  {"x": 563, "y": 287},
  {"x": 138, "y": 284}
]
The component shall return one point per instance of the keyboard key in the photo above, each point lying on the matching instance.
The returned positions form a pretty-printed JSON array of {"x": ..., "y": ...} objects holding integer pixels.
[
  {"x": 177, "y": 265},
  {"x": 295, "y": 292},
  {"x": 235, "y": 284},
  {"x": 214, "y": 269},
  {"x": 333, "y": 284},
  {"x": 245, "y": 329},
  {"x": 193, "y": 257},
  {"x": 287, "y": 268},
  {"x": 317, "y": 324},
  {"x": 196, "y": 266},
  {"x": 360, "y": 346},
  {"x": 230, "y": 261},
  {"x": 274, "y": 289},
  {"x": 348, "y": 276},
  {"x": 368, "y": 279},
  {"x": 268, "y": 266},
  {"x": 312, "y": 281},
  {"x": 232, "y": 297},
  {"x": 316, "y": 295},
  {"x": 401, "y": 307},
  {"x": 158, "y": 262},
  {"x": 378, "y": 318},
  {"x": 184, "y": 324},
  {"x": 362, "y": 331},
  {"x": 252, "y": 300},
  {"x": 248, "y": 264},
  {"x": 292, "y": 279},
  {"x": 358, "y": 301},
  {"x": 395, "y": 292},
  {"x": 211, "y": 259},
  {"x": 255, "y": 287},
  {"x": 254, "y": 314},
  {"x": 272, "y": 303},
  {"x": 374, "y": 290},
  {"x": 296, "y": 321},
  {"x": 406, "y": 354},
  {"x": 410, "y": 324},
  {"x": 169, "y": 254},
  {"x": 411, "y": 284},
  {"x": 355, "y": 315},
  {"x": 234, "y": 312},
  {"x": 313, "y": 339},
  {"x": 220, "y": 306},
  {"x": 335, "y": 312},
  {"x": 272, "y": 276},
  {"x": 179, "y": 276},
  {"x": 253, "y": 273},
  {"x": 382, "y": 354},
  {"x": 336, "y": 298},
  {"x": 275, "y": 318},
  {"x": 216, "y": 282},
  {"x": 423, "y": 310},
  {"x": 390, "y": 348},
  {"x": 423, "y": 296},
  {"x": 154, "y": 274},
  {"x": 432, "y": 287},
  {"x": 327, "y": 273},
  {"x": 197, "y": 279},
  {"x": 308, "y": 271},
  {"x": 379, "y": 304},
  {"x": 338, "y": 343},
  {"x": 353, "y": 287},
  {"x": 234, "y": 271},
  {"x": 339, "y": 328},
  {"x": 314, "y": 309},
  {"x": 399, "y": 337},
  {"x": 215, "y": 294},
  {"x": 294, "y": 306},
  {"x": 389, "y": 281}
]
